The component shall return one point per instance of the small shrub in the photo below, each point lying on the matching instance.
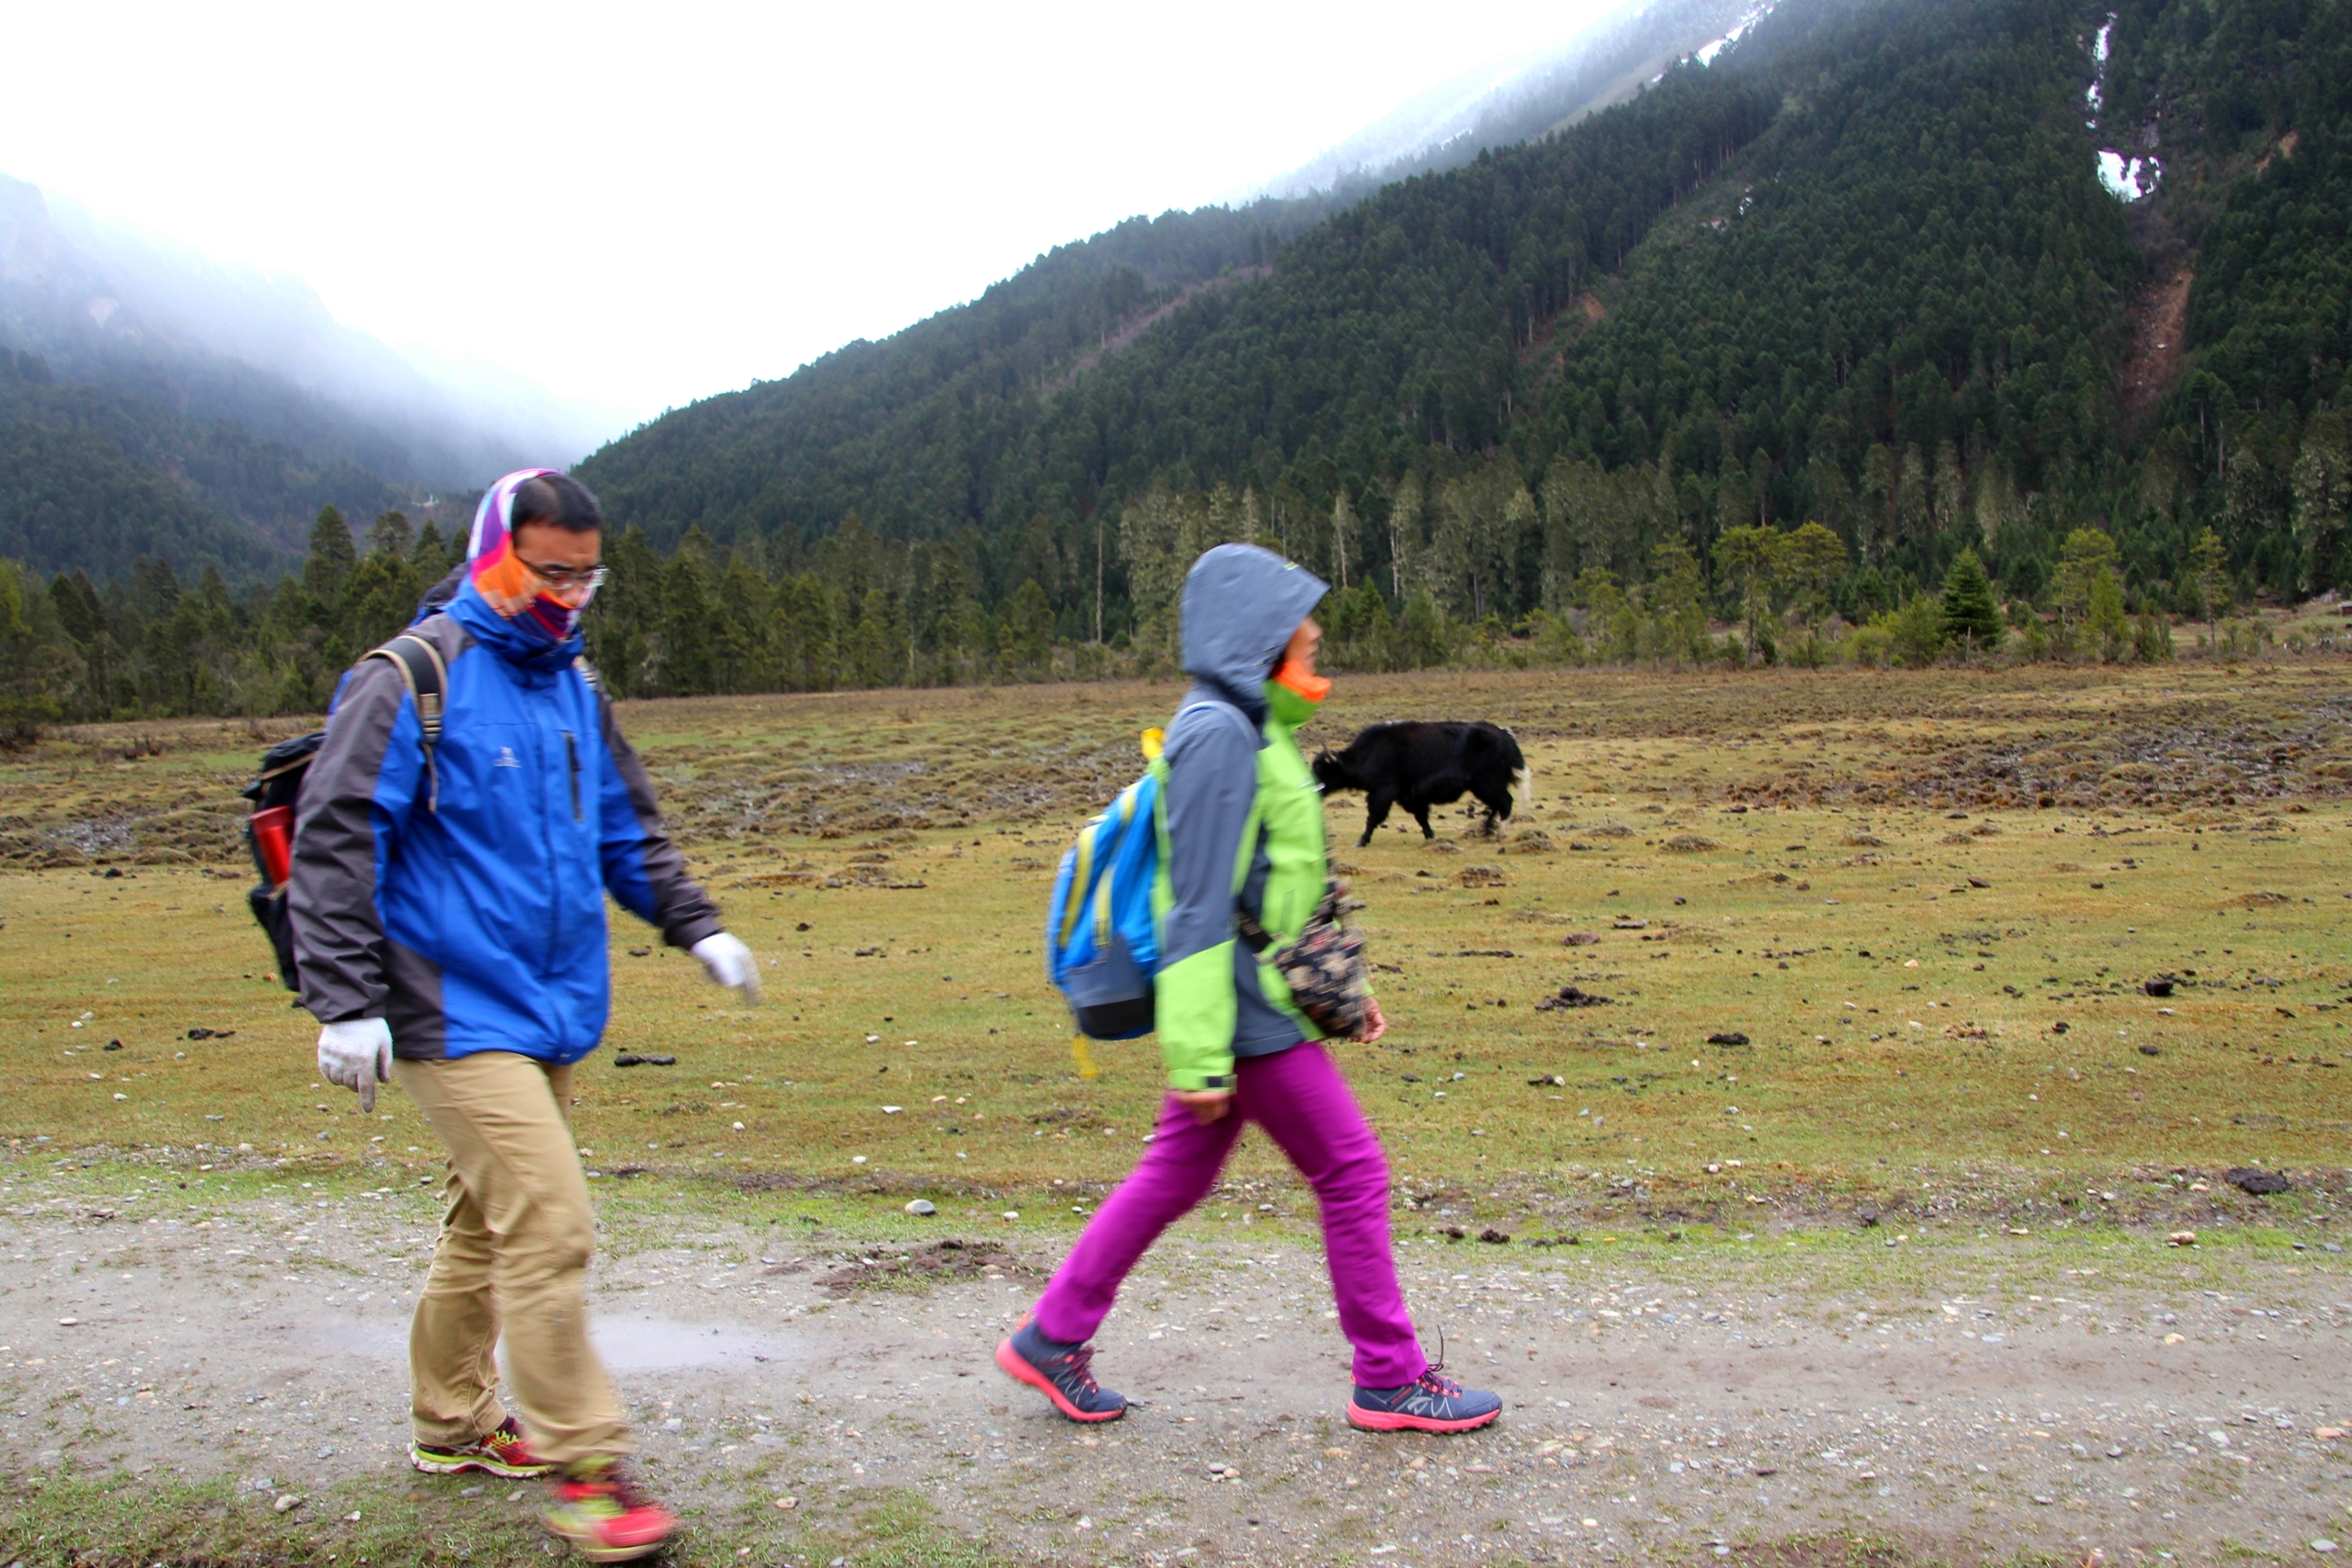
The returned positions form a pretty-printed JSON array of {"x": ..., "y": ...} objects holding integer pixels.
[
  {"x": 2034, "y": 640},
  {"x": 1917, "y": 632}
]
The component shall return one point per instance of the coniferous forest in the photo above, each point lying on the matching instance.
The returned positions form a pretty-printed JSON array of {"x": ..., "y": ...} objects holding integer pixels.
[{"x": 1835, "y": 348}]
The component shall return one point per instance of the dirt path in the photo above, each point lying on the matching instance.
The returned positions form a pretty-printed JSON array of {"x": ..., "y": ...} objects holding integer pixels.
[
  {"x": 1658, "y": 1408},
  {"x": 1134, "y": 327},
  {"x": 2159, "y": 321}
]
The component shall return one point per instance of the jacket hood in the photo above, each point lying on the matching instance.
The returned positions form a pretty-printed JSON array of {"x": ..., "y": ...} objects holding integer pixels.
[{"x": 1241, "y": 605}]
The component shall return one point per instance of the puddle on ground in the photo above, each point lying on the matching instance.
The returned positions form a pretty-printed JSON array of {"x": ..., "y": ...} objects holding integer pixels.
[
  {"x": 629, "y": 1343},
  {"x": 665, "y": 1344}
]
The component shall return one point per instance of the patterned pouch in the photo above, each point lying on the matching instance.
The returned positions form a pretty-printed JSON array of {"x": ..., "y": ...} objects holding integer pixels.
[{"x": 1323, "y": 966}]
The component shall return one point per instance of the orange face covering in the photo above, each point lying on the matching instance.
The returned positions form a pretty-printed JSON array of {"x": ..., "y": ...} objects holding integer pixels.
[
  {"x": 1312, "y": 688},
  {"x": 502, "y": 578}
]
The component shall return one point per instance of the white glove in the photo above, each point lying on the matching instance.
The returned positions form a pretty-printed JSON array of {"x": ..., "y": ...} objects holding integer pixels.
[
  {"x": 357, "y": 1053},
  {"x": 730, "y": 964}
]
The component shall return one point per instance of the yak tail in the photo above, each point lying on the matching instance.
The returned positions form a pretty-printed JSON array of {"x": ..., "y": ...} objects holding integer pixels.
[
  {"x": 1523, "y": 777},
  {"x": 1490, "y": 744}
]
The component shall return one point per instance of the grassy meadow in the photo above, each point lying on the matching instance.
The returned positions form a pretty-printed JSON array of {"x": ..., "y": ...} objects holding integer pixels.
[{"x": 1928, "y": 901}]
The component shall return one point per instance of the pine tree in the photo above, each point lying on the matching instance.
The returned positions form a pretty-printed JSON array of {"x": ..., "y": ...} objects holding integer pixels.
[
  {"x": 1455, "y": 549},
  {"x": 740, "y": 624},
  {"x": 79, "y": 610},
  {"x": 1101, "y": 541},
  {"x": 1424, "y": 634},
  {"x": 1674, "y": 597},
  {"x": 329, "y": 566},
  {"x": 803, "y": 638},
  {"x": 1750, "y": 555},
  {"x": 2208, "y": 568},
  {"x": 1735, "y": 502},
  {"x": 2107, "y": 621},
  {"x": 1917, "y": 631},
  {"x": 1950, "y": 485},
  {"x": 1812, "y": 561},
  {"x": 84, "y": 621},
  {"x": 1039, "y": 555},
  {"x": 2087, "y": 554},
  {"x": 1357, "y": 630},
  {"x": 622, "y": 626},
  {"x": 1028, "y": 631},
  {"x": 389, "y": 534},
  {"x": 2321, "y": 483},
  {"x": 1880, "y": 483},
  {"x": 1610, "y": 620},
  {"x": 1150, "y": 531},
  {"x": 38, "y": 664},
  {"x": 1343, "y": 532},
  {"x": 378, "y": 599},
  {"x": 154, "y": 588},
  {"x": 1404, "y": 536},
  {"x": 1971, "y": 618},
  {"x": 1912, "y": 503},
  {"x": 429, "y": 555},
  {"x": 948, "y": 631},
  {"x": 865, "y": 641},
  {"x": 686, "y": 658}
]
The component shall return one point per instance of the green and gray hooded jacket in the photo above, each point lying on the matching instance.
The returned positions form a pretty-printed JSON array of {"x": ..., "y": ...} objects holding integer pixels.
[{"x": 1244, "y": 820}]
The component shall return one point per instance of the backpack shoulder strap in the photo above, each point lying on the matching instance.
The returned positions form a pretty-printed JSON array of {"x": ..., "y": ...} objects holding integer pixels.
[{"x": 426, "y": 674}]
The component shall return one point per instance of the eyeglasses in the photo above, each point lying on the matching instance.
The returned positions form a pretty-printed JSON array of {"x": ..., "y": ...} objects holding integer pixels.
[{"x": 563, "y": 579}]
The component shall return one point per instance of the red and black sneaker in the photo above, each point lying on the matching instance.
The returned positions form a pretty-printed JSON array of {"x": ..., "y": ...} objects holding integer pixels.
[
  {"x": 600, "y": 1508},
  {"x": 1064, "y": 1374},
  {"x": 503, "y": 1452}
]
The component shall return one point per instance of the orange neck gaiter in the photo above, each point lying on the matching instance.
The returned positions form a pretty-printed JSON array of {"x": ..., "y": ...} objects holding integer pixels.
[{"x": 1309, "y": 688}]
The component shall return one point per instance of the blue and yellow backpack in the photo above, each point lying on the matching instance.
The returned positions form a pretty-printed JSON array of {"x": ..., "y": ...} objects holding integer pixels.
[{"x": 1102, "y": 933}]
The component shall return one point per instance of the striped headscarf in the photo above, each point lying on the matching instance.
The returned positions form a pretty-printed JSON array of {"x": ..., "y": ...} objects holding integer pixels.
[{"x": 505, "y": 583}]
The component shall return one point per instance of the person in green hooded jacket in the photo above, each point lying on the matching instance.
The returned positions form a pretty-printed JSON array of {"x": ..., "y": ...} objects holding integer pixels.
[{"x": 1244, "y": 832}]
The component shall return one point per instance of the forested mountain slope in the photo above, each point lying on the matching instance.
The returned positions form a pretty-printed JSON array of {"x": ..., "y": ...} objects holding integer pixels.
[
  {"x": 1461, "y": 266},
  {"x": 1859, "y": 270},
  {"x": 92, "y": 479},
  {"x": 2249, "y": 109},
  {"x": 903, "y": 427},
  {"x": 2015, "y": 325},
  {"x": 156, "y": 403}
]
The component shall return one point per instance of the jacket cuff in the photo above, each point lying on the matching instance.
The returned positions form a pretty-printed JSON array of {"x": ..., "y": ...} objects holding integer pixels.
[
  {"x": 1195, "y": 1078},
  {"x": 688, "y": 932}
]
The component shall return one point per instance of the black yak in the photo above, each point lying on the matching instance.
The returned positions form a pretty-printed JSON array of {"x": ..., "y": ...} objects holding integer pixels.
[{"x": 1417, "y": 765}]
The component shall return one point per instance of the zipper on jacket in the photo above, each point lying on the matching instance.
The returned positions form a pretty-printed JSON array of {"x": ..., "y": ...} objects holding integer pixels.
[{"x": 572, "y": 756}]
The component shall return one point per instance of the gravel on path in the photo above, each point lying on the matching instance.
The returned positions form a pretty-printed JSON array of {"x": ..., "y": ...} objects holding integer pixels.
[{"x": 1656, "y": 1408}]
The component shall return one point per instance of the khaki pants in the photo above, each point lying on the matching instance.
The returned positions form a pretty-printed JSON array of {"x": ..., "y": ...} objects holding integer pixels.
[{"x": 513, "y": 1254}]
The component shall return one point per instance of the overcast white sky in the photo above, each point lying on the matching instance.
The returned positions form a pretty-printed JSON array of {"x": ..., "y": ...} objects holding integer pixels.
[{"x": 639, "y": 205}]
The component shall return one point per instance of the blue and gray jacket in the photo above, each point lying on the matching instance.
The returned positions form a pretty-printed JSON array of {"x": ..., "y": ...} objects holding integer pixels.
[
  {"x": 1245, "y": 820},
  {"x": 467, "y": 909}
]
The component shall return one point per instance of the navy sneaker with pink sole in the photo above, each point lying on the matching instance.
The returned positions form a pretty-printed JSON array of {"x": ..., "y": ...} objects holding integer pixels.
[
  {"x": 1062, "y": 1373},
  {"x": 1431, "y": 1402}
]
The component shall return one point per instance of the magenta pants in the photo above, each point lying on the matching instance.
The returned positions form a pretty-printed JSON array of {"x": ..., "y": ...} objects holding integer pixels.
[{"x": 1303, "y": 1103}]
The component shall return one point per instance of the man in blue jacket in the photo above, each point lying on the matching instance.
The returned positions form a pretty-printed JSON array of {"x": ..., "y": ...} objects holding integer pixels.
[{"x": 448, "y": 906}]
